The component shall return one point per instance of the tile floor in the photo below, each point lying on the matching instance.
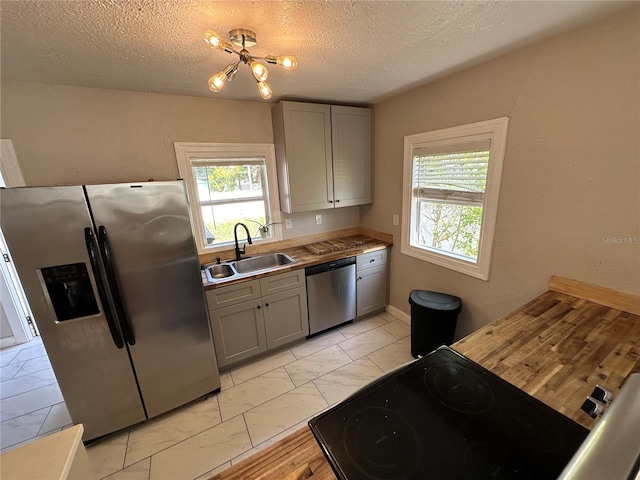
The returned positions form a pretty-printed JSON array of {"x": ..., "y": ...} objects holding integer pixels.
[{"x": 260, "y": 403}]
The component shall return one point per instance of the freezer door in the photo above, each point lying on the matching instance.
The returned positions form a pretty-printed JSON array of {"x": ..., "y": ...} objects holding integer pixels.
[
  {"x": 147, "y": 231},
  {"x": 51, "y": 240}
]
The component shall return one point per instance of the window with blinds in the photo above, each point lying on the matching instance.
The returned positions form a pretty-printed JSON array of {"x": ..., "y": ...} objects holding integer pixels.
[
  {"x": 451, "y": 184},
  {"x": 228, "y": 184},
  {"x": 448, "y": 186}
]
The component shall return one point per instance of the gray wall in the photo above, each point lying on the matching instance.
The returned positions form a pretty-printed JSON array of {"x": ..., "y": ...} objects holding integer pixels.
[
  {"x": 71, "y": 135},
  {"x": 570, "y": 184}
]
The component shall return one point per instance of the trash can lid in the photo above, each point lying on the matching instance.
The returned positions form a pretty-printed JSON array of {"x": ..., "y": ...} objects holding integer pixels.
[{"x": 434, "y": 300}]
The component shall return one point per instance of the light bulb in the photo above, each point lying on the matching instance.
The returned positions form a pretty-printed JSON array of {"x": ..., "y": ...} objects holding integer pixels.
[
  {"x": 260, "y": 72},
  {"x": 287, "y": 62},
  {"x": 213, "y": 39},
  {"x": 217, "y": 81},
  {"x": 265, "y": 90}
]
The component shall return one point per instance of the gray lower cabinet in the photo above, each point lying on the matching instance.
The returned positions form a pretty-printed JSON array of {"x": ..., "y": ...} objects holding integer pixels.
[
  {"x": 285, "y": 317},
  {"x": 371, "y": 282},
  {"x": 251, "y": 317}
]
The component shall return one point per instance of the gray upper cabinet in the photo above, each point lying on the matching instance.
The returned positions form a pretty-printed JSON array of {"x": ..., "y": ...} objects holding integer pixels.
[{"x": 323, "y": 155}]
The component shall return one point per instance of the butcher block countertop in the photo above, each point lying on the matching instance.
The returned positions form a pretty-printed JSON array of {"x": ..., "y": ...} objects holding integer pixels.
[
  {"x": 308, "y": 251},
  {"x": 556, "y": 348}
]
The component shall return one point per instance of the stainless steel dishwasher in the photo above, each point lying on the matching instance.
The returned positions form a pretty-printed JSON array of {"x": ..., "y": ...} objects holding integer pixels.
[{"x": 331, "y": 294}]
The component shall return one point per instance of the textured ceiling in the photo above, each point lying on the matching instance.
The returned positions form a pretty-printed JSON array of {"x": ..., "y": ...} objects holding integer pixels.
[{"x": 348, "y": 51}]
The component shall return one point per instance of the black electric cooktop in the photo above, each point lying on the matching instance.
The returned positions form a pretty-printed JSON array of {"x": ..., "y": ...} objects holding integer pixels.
[{"x": 445, "y": 417}]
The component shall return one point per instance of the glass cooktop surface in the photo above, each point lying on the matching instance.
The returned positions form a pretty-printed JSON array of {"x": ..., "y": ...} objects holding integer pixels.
[{"x": 445, "y": 417}]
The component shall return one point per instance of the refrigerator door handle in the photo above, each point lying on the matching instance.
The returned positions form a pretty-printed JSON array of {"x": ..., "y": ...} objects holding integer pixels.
[
  {"x": 107, "y": 258},
  {"x": 90, "y": 242}
]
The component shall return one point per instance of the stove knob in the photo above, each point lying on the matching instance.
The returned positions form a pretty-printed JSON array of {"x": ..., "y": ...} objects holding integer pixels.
[
  {"x": 602, "y": 395},
  {"x": 592, "y": 407}
]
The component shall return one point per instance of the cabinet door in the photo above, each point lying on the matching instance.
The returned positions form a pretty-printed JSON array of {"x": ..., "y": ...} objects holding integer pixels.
[
  {"x": 302, "y": 134},
  {"x": 371, "y": 290},
  {"x": 238, "y": 332},
  {"x": 285, "y": 317},
  {"x": 351, "y": 147}
]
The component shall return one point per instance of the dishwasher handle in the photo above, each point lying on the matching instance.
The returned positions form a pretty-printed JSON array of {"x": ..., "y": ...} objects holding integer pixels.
[{"x": 325, "y": 267}]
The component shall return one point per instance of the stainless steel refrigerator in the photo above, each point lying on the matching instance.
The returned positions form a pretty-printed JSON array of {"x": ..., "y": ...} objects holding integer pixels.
[{"x": 113, "y": 280}]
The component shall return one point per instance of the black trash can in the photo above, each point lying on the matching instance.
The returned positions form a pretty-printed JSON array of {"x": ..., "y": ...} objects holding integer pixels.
[{"x": 433, "y": 320}]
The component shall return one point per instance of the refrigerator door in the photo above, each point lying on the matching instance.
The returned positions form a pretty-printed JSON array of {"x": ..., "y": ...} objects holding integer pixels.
[
  {"x": 145, "y": 231},
  {"x": 52, "y": 243}
]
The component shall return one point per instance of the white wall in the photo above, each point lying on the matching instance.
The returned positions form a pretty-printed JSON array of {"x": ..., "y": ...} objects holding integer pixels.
[{"x": 571, "y": 176}]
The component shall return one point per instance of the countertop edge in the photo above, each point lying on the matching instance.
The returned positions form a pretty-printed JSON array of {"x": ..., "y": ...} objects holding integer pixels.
[{"x": 303, "y": 259}]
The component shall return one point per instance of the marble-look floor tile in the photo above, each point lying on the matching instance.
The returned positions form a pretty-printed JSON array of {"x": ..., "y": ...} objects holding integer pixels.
[
  {"x": 29, "y": 401},
  {"x": 215, "y": 471},
  {"x": 398, "y": 329},
  {"x": 58, "y": 417},
  {"x": 263, "y": 365},
  {"x": 7, "y": 372},
  {"x": 251, "y": 393},
  {"x": 201, "y": 453},
  {"x": 360, "y": 326},
  {"x": 137, "y": 471},
  {"x": 7, "y": 355},
  {"x": 367, "y": 342},
  {"x": 107, "y": 456},
  {"x": 24, "y": 383},
  {"x": 225, "y": 380},
  {"x": 34, "y": 365},
  {"x": 271, "y": 441},
  {"x": 340, "y": 383},
  {"x": 29, "y": 353},
  {"x": 317, "y": 364},
  {"x": 22, "y": 428},
  {"x": 281, "y": 413},
  {"x": 317, "y": 343},
  {"x": 394, "y": 355},
  {"x": 160, "y": 433}
]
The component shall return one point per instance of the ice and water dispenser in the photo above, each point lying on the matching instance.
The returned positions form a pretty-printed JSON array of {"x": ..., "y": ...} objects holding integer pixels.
[{"x": 70, "y": 291}]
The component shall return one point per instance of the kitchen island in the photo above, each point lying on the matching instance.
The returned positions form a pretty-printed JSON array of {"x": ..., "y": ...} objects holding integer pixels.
[{"x": 556, "y": 348}]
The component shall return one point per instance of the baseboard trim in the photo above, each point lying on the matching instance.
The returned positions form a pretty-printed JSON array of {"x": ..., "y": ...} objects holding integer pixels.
[
  {"x": 396, "y": 312},
  {"x": 7, "y": 341}
]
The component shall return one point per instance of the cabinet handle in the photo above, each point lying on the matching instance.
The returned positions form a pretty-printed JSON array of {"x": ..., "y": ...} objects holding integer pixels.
[
  {"x": 266, "y": 304},
  {"x": 372, "y": 260},
  {"x": 337, "y": 201},
  {"x": 259, "y": 307},
  {"x": 359, "y": 278},
  {"x": 330, "y": 201}
]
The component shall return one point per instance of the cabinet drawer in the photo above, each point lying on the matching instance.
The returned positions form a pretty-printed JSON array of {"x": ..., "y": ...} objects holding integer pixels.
[
  {"x": 232, "y": 294},
  {"x": 370, "y": 260},
  {"x": 282, "y": 281}
]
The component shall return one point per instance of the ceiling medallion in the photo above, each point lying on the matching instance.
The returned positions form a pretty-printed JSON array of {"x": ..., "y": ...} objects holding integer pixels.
[{"x": 243, "y": 38}]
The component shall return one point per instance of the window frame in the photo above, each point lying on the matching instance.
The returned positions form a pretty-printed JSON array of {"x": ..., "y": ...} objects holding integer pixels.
[
  {"x": 496, "y": 132},
  {"x": 188, "y": 151}
]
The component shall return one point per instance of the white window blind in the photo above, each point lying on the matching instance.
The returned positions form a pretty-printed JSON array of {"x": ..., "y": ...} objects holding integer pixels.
[{"x": 455, "y": 174}]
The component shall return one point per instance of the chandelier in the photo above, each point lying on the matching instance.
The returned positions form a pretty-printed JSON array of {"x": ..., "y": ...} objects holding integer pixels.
[{"x": 244, "y": 38}]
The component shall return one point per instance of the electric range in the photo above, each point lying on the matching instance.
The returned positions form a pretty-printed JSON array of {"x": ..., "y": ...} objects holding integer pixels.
[{"x": 445, "y": 417}]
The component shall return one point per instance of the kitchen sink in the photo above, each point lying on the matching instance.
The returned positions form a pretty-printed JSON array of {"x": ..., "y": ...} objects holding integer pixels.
[
  {"x": 218, "y": 271},
  {"x": 262, "y": 262},
  {"x": 246, "y": 266}
]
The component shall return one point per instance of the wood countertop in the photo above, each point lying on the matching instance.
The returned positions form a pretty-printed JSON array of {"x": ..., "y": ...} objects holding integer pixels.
[
  {"x": 367, "y": 241},
  {"x": 556, "y": 348}
]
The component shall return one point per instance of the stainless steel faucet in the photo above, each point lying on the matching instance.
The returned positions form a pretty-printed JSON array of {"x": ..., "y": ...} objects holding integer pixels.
[{"x": 239, "y": 251}]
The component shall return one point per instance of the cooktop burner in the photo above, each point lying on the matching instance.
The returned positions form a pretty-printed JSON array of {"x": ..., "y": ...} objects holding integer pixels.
[
  {"x": 458, "y": 388},
  {"x": 445, "y": 417},
  {"x": 380, "y": 442}
]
